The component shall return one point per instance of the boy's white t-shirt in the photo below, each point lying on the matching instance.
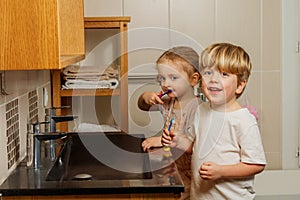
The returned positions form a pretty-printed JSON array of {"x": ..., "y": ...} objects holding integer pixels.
[{"x": 225, "y": 138}]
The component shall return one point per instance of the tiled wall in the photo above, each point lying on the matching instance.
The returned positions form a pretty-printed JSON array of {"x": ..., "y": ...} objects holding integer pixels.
[
  {"x": 22, "y": 106},
  {"x": 12, "y": 132}
]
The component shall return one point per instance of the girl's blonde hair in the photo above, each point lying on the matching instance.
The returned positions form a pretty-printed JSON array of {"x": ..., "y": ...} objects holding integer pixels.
[
  {"x": 227, "y": 58},
  {"x": 184, "y": 56}
]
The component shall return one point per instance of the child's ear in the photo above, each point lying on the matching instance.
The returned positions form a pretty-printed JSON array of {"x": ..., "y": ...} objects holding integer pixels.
[
  {"x": 241, "y": 87},
  {"x": 195, "y": 79}
]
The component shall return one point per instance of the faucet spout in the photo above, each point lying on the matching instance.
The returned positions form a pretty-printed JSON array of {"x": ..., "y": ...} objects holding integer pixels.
[
  {"x": 53, "y": 119},
  {"x": 36, "y": 144},
  {"x": 64, "y": 118},
  {"x": 38, "y": 138},
  {"x": 50, "y": 136}
]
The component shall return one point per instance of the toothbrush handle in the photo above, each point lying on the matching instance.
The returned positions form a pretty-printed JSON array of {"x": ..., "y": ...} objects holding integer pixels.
[
  {"x": 160, "y": 95},
  {"x": 171, "y": 123}
]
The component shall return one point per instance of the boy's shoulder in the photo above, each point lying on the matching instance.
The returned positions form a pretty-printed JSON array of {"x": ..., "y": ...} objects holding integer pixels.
[
  {"x": 243, "y": 119},
  {"x": 239, "y": 116}
]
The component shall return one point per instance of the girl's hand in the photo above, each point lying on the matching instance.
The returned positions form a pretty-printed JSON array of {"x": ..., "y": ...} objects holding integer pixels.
[
  {"x": 151, "y": 98},
  {"x": 150, "y": 143},
  {"x": 168, "y": 138},
  {"x": 210, "y": 171}
]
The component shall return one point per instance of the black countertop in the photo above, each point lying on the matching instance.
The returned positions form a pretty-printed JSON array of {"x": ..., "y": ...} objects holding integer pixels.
[{"x": 29, "y": 181}]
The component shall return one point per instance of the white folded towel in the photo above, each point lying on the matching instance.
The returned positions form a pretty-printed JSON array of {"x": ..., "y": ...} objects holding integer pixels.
[
  {"x": 75, "y": 71},
  {"x": 85, "y": 84}
]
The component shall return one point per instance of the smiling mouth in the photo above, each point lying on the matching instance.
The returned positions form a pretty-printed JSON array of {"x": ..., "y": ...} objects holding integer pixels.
[{"x": 214, "y": 89}]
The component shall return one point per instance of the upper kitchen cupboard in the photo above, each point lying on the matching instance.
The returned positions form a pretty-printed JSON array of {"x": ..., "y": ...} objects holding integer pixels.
[{"x": 43, "y": 34}]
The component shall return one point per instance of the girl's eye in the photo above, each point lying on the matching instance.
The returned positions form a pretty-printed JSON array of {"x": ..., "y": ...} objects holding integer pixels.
[
  {"x": 173, "y": 78},
  {"x": 160, "y": 78}
]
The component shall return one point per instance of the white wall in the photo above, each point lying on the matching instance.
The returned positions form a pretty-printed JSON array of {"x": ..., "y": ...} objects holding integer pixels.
[
  {"x": 277, "y": 185},
  {"x": 290, "y": 83}
]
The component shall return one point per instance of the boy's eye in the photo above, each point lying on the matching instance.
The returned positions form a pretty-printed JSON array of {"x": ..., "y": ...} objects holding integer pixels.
[
  {"x": 206, "y": 73},
  {"x": 224, "y": 74}
]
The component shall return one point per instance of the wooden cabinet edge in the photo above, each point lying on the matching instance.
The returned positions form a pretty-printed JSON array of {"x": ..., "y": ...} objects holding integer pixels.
[
  {"x": 108, "y": 19},
  {"x": 66, "y": 60},
  {"x": 90, "y": 92},
  {"x": 105, "y": 22}
]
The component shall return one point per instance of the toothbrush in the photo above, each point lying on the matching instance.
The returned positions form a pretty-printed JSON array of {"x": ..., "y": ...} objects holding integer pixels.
[
  {"x": 167, "y": 92},
  {"x": 171, "y": 108},
  {"x": 171, "y": 123}
]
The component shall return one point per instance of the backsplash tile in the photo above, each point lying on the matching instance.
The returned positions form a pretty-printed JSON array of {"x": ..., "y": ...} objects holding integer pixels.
[
  {"x": 33, "y": 106},
  {"x": 12, "y": 132}
]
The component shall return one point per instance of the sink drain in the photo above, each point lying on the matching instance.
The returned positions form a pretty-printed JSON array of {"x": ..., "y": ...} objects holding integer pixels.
[{"x": 82, "y": 177}]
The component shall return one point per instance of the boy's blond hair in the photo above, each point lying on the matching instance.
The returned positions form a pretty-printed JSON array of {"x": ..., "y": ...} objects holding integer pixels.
[
  {"x": 184, "y": 56},
  {"x": 227, "y": 58}
]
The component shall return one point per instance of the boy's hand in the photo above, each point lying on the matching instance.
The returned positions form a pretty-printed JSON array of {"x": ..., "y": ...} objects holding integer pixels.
[
  {"x": 210, "y": 171},
  {"x": 152, "y": 98}
]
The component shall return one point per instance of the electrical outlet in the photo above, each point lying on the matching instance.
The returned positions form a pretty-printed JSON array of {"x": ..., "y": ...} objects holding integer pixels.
[{"x": 45, "y": 97}]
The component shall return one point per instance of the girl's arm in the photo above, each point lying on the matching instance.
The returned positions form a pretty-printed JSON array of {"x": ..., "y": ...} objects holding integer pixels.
[
  {"x": 148, "y": 99},
  {"x": 213, "y": 171}
]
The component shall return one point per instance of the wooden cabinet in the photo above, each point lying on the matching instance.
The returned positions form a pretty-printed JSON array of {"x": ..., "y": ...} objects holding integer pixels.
[
  {"x": 43, "y": 34},
  {"x": 119, "y": 23}
]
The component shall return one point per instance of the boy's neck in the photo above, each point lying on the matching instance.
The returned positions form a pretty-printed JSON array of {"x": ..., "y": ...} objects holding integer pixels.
[{"x": 227, "y": 107}]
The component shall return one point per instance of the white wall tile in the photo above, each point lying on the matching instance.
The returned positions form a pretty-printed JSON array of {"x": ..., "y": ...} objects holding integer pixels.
[
  {"x": 271, "y": 33},
  {"x": 94, "y": 8},
  {"x": 3, "y": 144},
  {"x": 271, "y": 111},
  {"x": 16, "y": 83},
  {"x": 239, "y": 22},
  {"x": 148, "y": 30},
  {"x": 195, "y": 18},
  {"x": 147, "y": 13}
]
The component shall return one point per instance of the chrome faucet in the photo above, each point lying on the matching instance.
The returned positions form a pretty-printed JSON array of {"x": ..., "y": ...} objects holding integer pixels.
[
  {"x": 48, "y": 134},
  {"x": 36, "y": 145},
  {"x": 38, "y": 137},
  {"x": 52, "y": 118}
]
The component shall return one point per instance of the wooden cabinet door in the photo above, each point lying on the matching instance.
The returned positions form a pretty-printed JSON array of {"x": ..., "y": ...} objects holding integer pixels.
[{"x": 43, "y": 34}]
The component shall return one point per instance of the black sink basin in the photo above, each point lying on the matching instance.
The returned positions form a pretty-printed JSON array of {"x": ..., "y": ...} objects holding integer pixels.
[{"x": 101, "y": 156}]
